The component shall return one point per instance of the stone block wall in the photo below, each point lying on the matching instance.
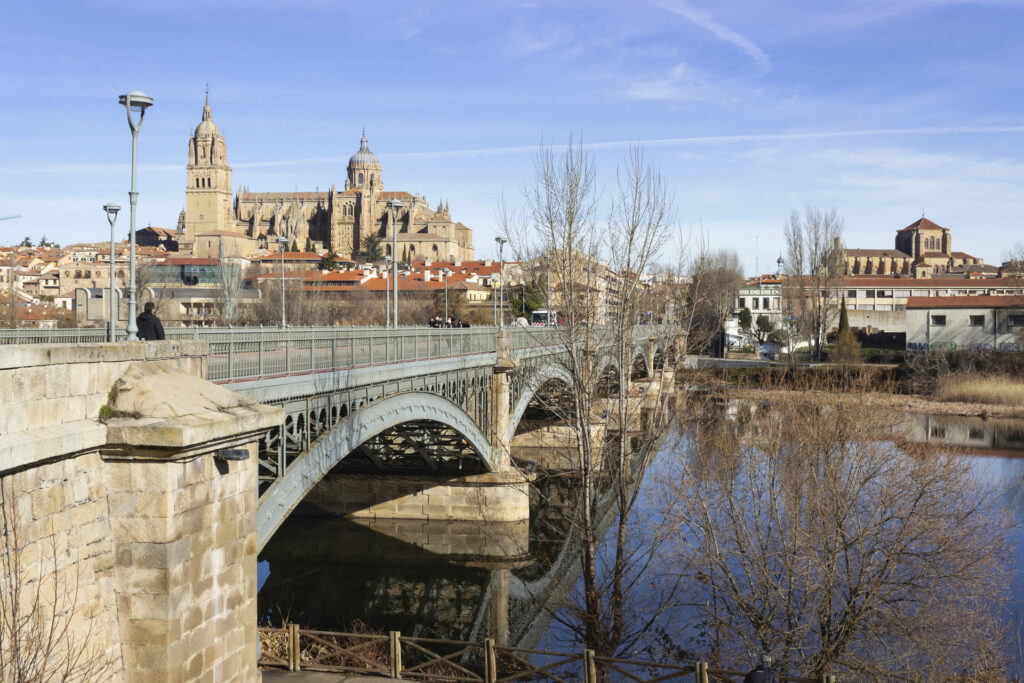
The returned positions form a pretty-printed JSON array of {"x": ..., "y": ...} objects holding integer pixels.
[
  {"x": 490, "y": 497},
  {"x": 185, "y": 573},
  {"x": 56, "y": 547}
]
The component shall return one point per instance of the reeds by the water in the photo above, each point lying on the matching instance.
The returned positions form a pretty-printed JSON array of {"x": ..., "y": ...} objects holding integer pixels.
[{"x": 988, "y": 389}]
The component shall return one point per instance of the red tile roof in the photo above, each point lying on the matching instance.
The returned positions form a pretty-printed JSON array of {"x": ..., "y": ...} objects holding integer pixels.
[
  {"x": 965, "y": 302},
  {"x": 283, "y": 195},
  {"x": 308, "y": 256},
  {"x": 160, "y": 231},
  {"x": 185, "y": 261},
  {"x": 923, "y": 223},
  {"x": 893, "y": 253},
  {"x": 890, "y": 281}
]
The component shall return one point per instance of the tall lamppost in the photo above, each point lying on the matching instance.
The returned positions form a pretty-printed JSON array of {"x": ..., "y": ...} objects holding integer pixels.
[
  {"x": 137, "y": 102},
  {"x": 501, "y": 281},
  {"x": 446, "y": 272},
  {"x": 394, "y": 205},
  {"x": 281, "y": 243},
  {"x": 111, "y": 210},
  {"x": 387, "y": 293}
]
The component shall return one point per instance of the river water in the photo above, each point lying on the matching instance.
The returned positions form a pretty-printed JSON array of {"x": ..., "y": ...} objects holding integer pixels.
[{"x": 341, "y": 574}]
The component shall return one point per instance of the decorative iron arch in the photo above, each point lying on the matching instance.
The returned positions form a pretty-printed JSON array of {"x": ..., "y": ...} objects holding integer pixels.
[{"x": 305, "y": 472}]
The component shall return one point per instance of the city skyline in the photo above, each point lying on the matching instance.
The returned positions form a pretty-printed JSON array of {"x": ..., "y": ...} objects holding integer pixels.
[{"x": 883, "y": 112}]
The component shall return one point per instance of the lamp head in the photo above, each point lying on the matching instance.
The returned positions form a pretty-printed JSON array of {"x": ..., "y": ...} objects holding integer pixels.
[
  {"x": 500, "y": 240},
  {"x": 282, "y": 240},
  {"x": 394, "y": 204},
  {"x": 136, "y": 101},
  {"x": 112, "y": 209}
]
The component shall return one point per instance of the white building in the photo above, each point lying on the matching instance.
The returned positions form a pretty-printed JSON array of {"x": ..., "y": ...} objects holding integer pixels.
[
  {"x": 761, "y": 296},
  {"x": 987, "y": 323}
]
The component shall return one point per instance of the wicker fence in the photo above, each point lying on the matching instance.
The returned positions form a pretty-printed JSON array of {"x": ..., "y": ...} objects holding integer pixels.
[{"x": 435, "y": 659}]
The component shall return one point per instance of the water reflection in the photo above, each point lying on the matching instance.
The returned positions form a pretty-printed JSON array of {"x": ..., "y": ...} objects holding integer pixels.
[
  {"x": 981, "y": 436},
  {"x": 454, "y": 580},
  {"x": 468, "y": 581}
]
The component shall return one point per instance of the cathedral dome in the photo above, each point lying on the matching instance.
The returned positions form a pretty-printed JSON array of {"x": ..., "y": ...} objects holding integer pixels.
[
  {"x": 207, "y": 128},
  {"x": 364, "y": 157}
]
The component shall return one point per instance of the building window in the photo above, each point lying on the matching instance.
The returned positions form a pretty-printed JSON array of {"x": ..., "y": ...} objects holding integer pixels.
[
  {"x": 1015, "y": 320},
  {"x": 764, "y": 303},
  {"x": 851, "y": 294},
  {"x": 754, "y": 303},
  {"x": 360, "y": 178},
  {"x": 742, "y": 302},
  {"x": 938, "y": 320},
  {"x": 977, "y": 321}
]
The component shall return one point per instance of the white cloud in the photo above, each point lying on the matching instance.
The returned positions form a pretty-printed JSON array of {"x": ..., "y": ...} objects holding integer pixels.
[{"x": 703, "y": 20}]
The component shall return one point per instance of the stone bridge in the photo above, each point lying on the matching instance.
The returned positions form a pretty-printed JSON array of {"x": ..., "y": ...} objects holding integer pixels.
[{"x": 156, "y": 471}]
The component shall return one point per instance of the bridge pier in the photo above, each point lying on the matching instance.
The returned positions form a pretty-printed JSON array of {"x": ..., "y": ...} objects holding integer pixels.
[
  {"x": 487, "y": 497},
  {"x": 117, "y": 501}
]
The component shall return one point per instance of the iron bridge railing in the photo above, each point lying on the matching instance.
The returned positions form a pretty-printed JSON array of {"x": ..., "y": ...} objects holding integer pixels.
[{"x": 246, "y": 353}]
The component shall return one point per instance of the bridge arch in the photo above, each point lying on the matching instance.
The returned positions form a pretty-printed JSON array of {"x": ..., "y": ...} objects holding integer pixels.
[
  {"x": 546, "y": 373},
  {"x": 305, "y": 472}
]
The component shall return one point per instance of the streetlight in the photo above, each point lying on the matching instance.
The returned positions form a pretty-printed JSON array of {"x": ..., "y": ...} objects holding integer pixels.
[
  {"x": 446, "y": 272},
  {"x": 501, "y": 282},
  {"x": 387, "y": 293},
  {"x": 137, "y": 102},
  {"x": 111, "y": 210},
  {"x": 394, "y": 205},
  {"x": 281, "y": 242}
]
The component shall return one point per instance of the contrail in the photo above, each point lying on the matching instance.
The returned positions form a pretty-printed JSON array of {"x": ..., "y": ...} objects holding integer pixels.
[{"x": 661, "y": 142}]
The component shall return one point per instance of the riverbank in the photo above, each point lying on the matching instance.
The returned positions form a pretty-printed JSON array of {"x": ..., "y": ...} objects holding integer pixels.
[{"x": 902, "y": 402}]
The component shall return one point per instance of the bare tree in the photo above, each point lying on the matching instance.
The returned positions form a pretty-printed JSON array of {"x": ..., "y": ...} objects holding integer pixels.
[
  {"x": 559, "y": 233},
  {"x": 804, "y": 530},
  {"x": 229, "y": 285},
  {"x": 39, "y": 607},
  {"x": 814, "y": 271}
]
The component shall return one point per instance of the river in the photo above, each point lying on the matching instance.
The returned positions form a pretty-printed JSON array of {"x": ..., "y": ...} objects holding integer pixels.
[{"x": 341, "y": 574}]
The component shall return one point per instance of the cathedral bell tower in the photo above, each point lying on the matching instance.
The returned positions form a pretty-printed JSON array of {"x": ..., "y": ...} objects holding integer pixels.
[{"x": 208, "y": 194}]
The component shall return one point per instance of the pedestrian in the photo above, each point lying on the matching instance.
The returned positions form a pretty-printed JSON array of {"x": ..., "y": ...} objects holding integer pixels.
[
  {"x": 150, "y": 327},
  {"x": 763, "y": 672}
]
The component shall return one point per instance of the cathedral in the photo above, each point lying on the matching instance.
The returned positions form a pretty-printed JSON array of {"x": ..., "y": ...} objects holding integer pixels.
[{"x": 336, "y": 220}]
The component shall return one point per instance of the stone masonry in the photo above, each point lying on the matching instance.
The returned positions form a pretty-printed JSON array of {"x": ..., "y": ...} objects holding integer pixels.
[{"x": 135, "y": 538}]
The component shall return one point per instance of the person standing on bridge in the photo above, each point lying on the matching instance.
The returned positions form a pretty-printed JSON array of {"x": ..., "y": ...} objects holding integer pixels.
[
  {"x": 150, "y": 327},
  {"x": 763, "y": 672}
]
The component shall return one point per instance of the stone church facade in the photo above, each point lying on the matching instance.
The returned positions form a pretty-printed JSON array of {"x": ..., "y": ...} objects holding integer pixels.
[
  {"x": 336, "y": 219},
  {"x": 923, "y": 249}
]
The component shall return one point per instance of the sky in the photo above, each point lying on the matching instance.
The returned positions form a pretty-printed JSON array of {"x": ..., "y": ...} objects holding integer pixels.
[{"x": 884, "y": 110}]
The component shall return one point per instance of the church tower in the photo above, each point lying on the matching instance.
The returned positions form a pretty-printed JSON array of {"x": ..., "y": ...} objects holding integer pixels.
[{"x": 208, "y": 194}]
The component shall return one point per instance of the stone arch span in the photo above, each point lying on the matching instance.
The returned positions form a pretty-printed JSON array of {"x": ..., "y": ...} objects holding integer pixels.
[{"x": 305, "y": 472}]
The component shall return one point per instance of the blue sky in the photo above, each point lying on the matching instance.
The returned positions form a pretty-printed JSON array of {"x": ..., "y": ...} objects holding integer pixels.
[{"x": 882, "y": 109}]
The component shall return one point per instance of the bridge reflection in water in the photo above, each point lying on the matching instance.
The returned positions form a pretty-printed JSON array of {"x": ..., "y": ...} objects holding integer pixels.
[{"x": 457, "y": 580}]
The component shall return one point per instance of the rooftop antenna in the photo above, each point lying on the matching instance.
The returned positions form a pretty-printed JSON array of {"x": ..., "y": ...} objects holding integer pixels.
[{"x": 757, "y": 257}]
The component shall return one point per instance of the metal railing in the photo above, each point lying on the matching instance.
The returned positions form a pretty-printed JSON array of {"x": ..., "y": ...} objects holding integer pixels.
[
  {"x": 437, "y": 659},
  {"x": 237, "y": 357},
  {"x": 247, "y": 353}
]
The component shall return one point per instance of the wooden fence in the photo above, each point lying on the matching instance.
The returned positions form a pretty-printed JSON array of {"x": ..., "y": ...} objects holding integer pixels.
[{"x": 435, "y": 659}]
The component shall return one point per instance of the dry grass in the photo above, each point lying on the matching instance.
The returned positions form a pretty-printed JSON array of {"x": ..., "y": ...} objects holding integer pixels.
[{"x": 981, "y": 389}]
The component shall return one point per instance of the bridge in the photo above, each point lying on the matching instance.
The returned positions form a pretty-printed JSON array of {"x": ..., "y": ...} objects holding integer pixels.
[{"x": 143, "y": 453}]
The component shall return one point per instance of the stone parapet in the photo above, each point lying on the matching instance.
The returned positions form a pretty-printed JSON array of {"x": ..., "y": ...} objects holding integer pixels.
[{"x": 51, "y": 395}]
